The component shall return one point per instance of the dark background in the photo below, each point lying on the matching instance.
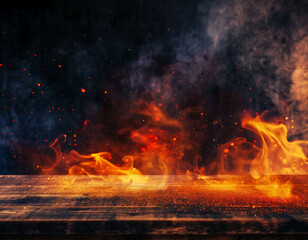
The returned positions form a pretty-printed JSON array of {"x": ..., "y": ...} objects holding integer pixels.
[{"x": 227, "y": 56}]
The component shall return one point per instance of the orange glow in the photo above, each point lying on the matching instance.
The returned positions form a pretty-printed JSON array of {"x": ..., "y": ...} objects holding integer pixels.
[
  {"x": 277, "y": 155},
  {"x": 99, "y": 163},
  {"x": 159, "y": 152}
]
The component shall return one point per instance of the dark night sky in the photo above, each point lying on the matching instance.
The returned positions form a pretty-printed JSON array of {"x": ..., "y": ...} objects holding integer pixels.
[{"x": 226, "y": 56}]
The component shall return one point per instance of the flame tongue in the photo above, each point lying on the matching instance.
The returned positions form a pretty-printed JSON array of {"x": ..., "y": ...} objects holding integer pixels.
[
  {"x": 277, "y": 155},
  {"x": 161, "y": 141},
  {"x": 99, "y": 163}
]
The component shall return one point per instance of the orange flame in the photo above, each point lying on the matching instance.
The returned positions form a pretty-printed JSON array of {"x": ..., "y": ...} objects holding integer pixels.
[
  {"x": 277, "y": 155},
  {"x": 99, "y": 163},
  {"x": 161, "y": 141}
]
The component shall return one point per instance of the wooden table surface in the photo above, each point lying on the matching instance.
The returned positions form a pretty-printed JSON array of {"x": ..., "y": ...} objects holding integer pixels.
[{"x": 149, "y": 205}]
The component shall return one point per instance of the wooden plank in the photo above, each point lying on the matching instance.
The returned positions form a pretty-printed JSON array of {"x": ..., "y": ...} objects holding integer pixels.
[{"x": 149, "y": 205}]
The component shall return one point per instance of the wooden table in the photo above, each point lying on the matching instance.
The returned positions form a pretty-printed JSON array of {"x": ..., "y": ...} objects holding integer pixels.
[{"x": 149, "y": 205}]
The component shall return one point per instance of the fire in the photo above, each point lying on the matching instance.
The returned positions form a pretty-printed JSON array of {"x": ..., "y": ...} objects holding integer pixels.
[
  {"x": 161, "y": 141},
  {"x": 99, "y": 163},
  {"x": 159, "y": 152},
  {"x": 267, "y": 163},
  {"x": 277, "y": 155}
]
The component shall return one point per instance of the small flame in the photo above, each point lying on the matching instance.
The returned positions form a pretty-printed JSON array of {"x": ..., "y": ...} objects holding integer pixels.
[{"x": 99, "y": 163}]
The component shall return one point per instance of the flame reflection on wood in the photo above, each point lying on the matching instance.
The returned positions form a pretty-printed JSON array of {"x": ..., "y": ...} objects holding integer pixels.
[{"x": 194, "y": 205}]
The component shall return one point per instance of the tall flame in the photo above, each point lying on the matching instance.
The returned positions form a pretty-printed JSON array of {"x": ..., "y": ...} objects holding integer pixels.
[{"x": 277, "y": 156}]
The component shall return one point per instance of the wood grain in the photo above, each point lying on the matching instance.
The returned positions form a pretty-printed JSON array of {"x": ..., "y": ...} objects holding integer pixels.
[{"x": 155, "y": 205}]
